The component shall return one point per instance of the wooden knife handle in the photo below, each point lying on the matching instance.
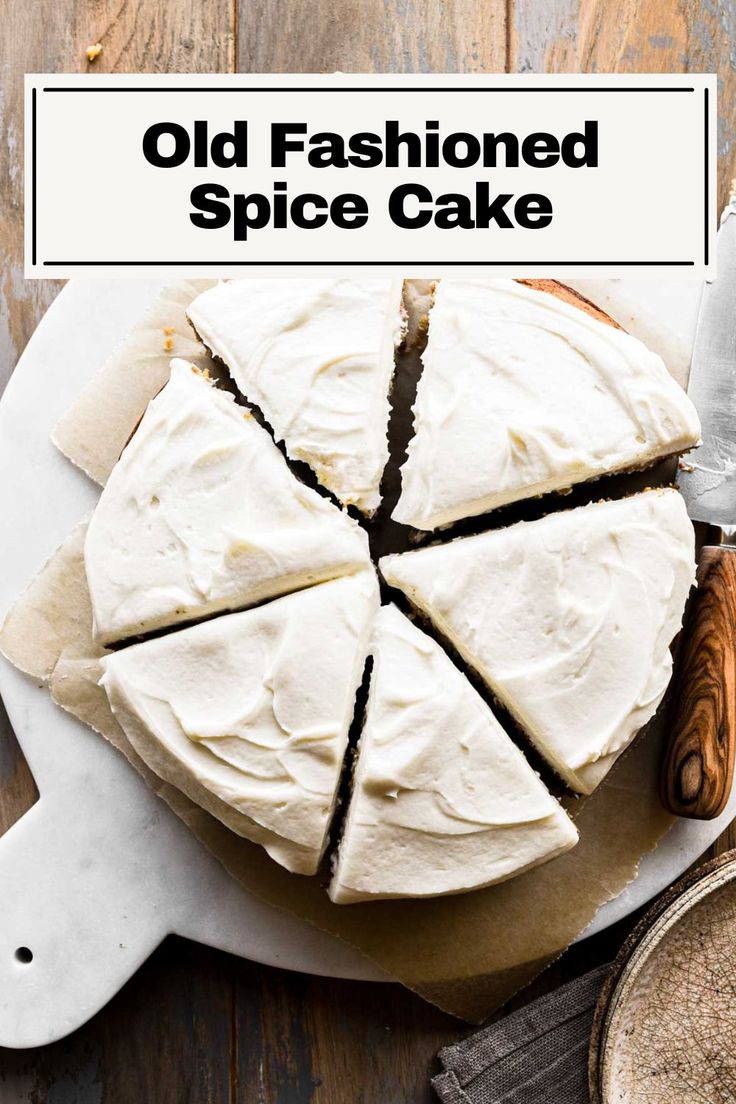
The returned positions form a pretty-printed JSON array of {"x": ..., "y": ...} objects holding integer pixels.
[{"x": 698, "y": 769}]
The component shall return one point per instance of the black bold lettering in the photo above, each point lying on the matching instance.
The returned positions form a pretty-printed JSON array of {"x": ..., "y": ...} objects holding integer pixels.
[
  {"x": 540, "y": 150},
  {"x": 533, "y": 212},
  {"x": 299, "y": 211},
  {"x": 250, "y": 212},
  {"x": 489, "y": 210},
  {"x": 214, "y": 214},
  {"x": 365, "y": 149},
  {"x": 182, "y": 145},
  {"x": 588, "y": 140},
  {"x": 396, "y": 206},
  {"x": 238, "y": 141},
  {"x": 349, "y": 211},
  {"x": 328, "y": 151},
  {"x": 281, "y": 144},
  {"x": 459, "y": 160}
]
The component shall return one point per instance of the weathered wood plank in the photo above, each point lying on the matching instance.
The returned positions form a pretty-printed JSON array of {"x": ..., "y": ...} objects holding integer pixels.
[
  {"x": 165, "y": 1038},
  {"x": 195, "y": 1026},
  {"x": 17, "y": 788},
  {"x": 326, "y": 1041},
  {"x": 50, "y": 36},
  {"x": 634, "y": 36},
  {"x": 383, "y": 36}
]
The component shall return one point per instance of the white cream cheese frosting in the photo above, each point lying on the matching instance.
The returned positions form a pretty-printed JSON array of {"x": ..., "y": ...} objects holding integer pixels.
[
  {"x": 201, "y": 514},
  {"x": 248, "y": 714},
  {"x": 568, "y": 619},
  {"x": 317, "y": 357},
  {"x": 443, "y": 801},
  {"x": 523, "y": 393}
]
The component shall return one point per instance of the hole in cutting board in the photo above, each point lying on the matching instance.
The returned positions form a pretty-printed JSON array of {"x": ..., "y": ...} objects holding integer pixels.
[{"x": 24, "y": 955}]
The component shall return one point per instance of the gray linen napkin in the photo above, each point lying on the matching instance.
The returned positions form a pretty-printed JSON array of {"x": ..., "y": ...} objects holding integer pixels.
[{"x": 536, "y": 1055}]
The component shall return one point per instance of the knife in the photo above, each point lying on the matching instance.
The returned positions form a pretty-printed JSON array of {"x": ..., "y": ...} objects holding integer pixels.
[{"x": 699, "y": 762}]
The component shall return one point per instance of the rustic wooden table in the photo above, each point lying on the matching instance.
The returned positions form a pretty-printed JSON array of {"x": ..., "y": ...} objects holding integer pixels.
[{"x": 196, "y": 1025}]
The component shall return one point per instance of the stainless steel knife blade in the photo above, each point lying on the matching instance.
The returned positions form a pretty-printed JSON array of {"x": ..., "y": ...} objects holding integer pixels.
[{"x": 707, "y": 477}]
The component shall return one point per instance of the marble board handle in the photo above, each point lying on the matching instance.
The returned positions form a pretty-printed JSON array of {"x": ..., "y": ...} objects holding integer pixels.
[
  {"x": 63, "y": 951},
  {"x": 699, "y": 762}
]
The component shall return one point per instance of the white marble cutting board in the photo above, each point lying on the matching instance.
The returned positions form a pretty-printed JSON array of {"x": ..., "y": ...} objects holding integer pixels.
[{"x": 97, "y": 873}]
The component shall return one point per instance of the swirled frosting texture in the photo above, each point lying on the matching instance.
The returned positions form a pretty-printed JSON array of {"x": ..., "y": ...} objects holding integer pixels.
[
  {"x": 568, "y": 619},
  {"x": 202, "y": 514},
  {"x": 248, "y": 714},
  {"x": 547, "y": 394},
  {"x": 317, "y": 357},
  {"x": 443, "y": 801}
]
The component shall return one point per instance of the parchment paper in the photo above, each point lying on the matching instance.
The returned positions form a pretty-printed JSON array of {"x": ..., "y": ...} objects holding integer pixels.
[
  {"x": 468, "y": 953},
  {"x": 95, "y": 430}
]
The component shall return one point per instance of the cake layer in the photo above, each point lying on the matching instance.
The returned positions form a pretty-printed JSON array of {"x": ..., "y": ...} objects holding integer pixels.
[
  {"x": 523, "y": 392},
  {"x": 568, "y": 619},
  {"x": 248, "y": 714},
  {"x": 317, "y": 357},
  {"x": 201, "y": 514},
  {"x": 443, "y": 801}
]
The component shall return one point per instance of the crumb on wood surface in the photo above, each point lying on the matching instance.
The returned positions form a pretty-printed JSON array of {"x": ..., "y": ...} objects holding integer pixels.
[{"x": 93, "y": 51}]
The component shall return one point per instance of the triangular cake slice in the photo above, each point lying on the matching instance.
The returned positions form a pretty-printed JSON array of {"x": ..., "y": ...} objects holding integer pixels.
[
  {"x": 527, "y": 390},
  {"x": 317, "y": 357},
  {"x": 443, "y": 801},
  {"x": 568, "y": 619},
  {"x": 248, "y": 714},
  {"x": 201, "y": 514}
]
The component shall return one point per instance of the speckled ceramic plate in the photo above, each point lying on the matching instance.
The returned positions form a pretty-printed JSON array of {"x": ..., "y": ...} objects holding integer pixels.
[{"x": 665, "y": 1027}]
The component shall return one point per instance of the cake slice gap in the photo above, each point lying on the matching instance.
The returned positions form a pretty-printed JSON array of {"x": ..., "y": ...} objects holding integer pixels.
[
  {"x": 443, "y": 801},
  {"x": 316, "y": 357},
  {"x": 527, "y": 388},
  {"x": 248, "y": 714},
  {"x": 567, "y": 619},
  {"x": 201, "y": 515}
]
